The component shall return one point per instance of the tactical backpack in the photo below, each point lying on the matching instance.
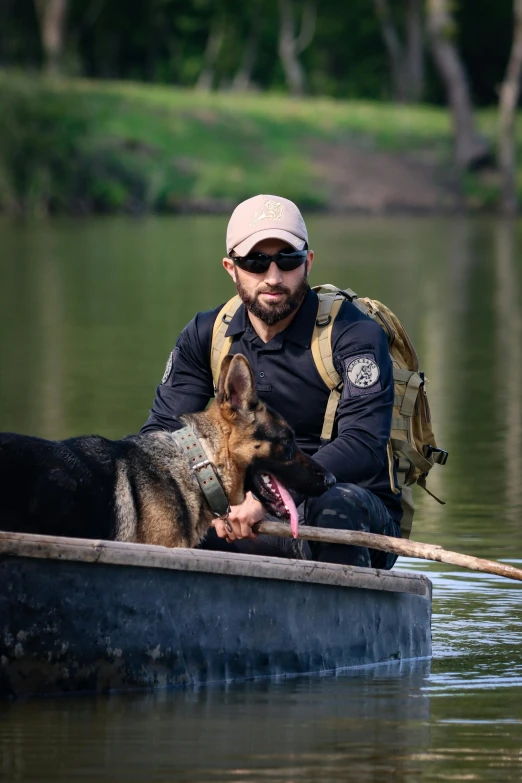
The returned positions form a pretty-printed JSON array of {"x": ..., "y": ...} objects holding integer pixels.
[{"x": 412, "y": 450}]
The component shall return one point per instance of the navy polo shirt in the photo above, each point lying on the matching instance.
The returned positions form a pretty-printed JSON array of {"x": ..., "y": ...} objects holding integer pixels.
[{"x": 287, "y": 379}]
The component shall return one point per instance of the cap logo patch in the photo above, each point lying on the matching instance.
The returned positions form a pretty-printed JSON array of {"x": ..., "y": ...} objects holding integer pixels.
[
  {"x": 271, "y": 210},
  {"x": 363, "y": 372}
]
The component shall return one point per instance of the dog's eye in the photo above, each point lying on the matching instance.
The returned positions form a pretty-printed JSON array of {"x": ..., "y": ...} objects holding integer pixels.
[{"x": 288, "y": 451}]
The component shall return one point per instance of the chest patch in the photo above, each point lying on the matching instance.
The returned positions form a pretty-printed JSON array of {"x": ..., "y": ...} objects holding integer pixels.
[{"x": 362, "y": 375}]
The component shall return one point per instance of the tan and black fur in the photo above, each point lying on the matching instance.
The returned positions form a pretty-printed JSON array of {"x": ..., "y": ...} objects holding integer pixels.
[{"x": 141, "y": 488}]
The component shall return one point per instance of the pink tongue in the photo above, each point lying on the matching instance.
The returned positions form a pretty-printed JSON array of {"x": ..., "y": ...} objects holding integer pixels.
[{"x": 289, "y": 503}]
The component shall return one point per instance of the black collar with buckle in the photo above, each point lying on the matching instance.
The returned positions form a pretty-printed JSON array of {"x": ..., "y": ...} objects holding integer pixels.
[{"x": 203, "y": 470}]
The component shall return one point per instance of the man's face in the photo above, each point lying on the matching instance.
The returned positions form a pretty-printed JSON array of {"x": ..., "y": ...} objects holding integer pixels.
[{"x": 272, "y": 295}]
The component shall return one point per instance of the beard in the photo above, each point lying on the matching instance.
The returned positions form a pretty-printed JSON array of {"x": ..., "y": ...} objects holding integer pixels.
[{"x": 271, "y": 314}]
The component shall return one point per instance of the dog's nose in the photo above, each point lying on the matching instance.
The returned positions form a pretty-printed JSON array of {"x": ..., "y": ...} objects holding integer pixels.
[{"x": 329, "y": 480}]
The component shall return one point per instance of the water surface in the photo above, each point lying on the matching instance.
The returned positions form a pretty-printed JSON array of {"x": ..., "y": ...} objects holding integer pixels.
[{"x": 89, "y": 311}]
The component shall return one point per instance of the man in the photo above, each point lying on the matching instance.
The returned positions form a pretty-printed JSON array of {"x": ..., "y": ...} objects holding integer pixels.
[{"x": 269, "y": 261}]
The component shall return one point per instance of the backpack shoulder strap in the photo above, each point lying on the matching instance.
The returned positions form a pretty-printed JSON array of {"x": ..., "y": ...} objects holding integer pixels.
[
  {"x": 220, "y": 342},
  {"x": 328, "y": 308},
  {"x": 321, "y": 345}
]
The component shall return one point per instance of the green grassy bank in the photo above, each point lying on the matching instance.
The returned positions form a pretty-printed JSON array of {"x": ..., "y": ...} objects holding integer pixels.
[{"x": 80, "y": 146}]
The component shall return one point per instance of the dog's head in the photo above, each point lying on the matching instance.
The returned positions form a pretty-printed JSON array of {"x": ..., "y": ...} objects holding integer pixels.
[{"x": 263, "y": 444}]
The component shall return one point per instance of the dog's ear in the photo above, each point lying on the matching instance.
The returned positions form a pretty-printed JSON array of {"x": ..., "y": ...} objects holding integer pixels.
[
  {"x": 239, "y": 393},
  {"x": 225, "y": 364}
]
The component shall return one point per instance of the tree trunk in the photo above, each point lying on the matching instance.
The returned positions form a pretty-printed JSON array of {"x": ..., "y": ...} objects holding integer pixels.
[
  {"x": 399, "y": 75},
  {"x": 406, "y": 60},
  {"x": 509, "y": 94},
  {"x": 471, "y": 150},
  {"x": 243, "y": 78},
  {"x": 415, "y": 50},
  {"x": 212, "y": 49},
  {"x": 291, "y": 46},
  {"x": 51, "y": 17}
]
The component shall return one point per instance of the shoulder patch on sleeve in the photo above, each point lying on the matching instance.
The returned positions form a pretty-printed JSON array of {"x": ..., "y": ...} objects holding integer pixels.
[
  {"x": 169, "y": 365},
  {"x": 362, "y": 375}
]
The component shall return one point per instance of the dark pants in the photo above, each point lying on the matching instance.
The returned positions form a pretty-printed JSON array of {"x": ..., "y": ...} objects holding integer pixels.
[{"x": 344, "y": 507}]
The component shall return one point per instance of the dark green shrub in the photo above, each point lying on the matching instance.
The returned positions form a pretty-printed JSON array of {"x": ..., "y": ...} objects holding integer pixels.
[{"x": 42, "y": 134}]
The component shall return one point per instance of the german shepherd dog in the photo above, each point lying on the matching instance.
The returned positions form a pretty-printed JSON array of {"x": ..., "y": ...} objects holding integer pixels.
[{"x": 142, "y": 488}]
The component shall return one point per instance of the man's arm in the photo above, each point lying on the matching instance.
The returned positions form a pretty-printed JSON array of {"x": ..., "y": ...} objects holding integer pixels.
[
  {"x": 187, "y": 384},
  {"x": 364, "y": 415}
]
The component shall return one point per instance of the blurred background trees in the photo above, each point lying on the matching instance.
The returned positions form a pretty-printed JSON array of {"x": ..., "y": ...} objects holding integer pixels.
[
  {"x": 374, "y": 49},
  {"x": 471, "y": 150},
  {"x": 461, "y": 54}
]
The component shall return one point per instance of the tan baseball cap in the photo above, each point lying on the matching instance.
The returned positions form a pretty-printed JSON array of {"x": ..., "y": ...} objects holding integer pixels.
[{"x": 265, "y": 217}]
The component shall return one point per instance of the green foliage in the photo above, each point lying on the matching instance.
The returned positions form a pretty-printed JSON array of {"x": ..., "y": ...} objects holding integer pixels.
[
  {"x": 78, "y": 147},
  {"x": 41, "y": 136},
  {"x": 81, "y": 146}
]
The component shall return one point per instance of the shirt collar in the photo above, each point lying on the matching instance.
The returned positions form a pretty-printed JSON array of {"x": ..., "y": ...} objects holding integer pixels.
[{"x": 299, "y": 330}]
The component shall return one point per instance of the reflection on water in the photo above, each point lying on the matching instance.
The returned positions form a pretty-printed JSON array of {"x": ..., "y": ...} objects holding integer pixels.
[
  {"x": 306, "y": 729},
  {"x": 509, "y": 364},
  {"x": 88, "y": 313}
]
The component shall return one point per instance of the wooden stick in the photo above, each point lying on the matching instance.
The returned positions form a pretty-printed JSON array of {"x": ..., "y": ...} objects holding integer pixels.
[{"x": 399, "y": 546}]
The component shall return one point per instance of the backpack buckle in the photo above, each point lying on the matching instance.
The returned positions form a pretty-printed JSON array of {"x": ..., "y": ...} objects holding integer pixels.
[
  {"x": 348, "y": 294},
  {"x": 441, "y": 456},
  {"x": 322, "y": 321}
]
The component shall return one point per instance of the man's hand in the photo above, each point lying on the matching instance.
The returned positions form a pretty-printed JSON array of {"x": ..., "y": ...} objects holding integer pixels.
[{"x": 241, "y": 519}]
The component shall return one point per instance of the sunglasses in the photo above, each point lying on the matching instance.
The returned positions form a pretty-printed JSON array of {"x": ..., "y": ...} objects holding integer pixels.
[{"x": 258, "y": 263}]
